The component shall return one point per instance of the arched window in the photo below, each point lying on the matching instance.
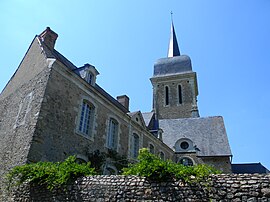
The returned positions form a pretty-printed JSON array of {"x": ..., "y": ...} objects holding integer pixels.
[
  {"x": 135, "y": 145},
  {"x": 151, "y": 148},
  {"x": 180, "y": 99},
  {"x": 167, "y": 101},
  {"x": 80, "y": 161},
  {"x": 186, "y": 161},
  {"x": 109, "y": 170},
  {"x": 112, "y": 137},
  {"x": 86, "y": 118},
  {"x": 162, "y": 155}
]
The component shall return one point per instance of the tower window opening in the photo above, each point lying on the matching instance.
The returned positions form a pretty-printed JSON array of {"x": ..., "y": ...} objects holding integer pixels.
[
  {"x": 180, "y": 100},
  {"x": 166, "y": 95}
]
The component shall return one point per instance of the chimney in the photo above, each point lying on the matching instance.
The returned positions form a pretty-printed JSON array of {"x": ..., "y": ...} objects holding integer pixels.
[
  {"x": 48, "y": 37},
  {"x": 123, "y": 100}
]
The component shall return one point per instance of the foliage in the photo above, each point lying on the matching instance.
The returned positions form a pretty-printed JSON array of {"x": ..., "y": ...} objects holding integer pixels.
[
  {"x": 154, "y": 168},
  {"x": 119, "y": 161},
  {"x": 98, "y": 159},
  {"x": 52, "y": 175}
]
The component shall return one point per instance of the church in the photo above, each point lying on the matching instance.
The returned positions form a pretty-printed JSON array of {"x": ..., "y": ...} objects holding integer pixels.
[{"x": 51, "y": 109}]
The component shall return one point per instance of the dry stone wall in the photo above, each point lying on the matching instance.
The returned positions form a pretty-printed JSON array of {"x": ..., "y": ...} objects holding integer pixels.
[{"x": 224, "y": 187}]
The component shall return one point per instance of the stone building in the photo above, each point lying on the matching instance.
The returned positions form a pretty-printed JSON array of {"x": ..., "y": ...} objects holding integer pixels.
[{"x": 51, "y": 109}]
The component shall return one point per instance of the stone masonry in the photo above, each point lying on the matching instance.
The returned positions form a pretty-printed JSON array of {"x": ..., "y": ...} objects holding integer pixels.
[
  {"x": 223, "y": 187},
  {"x": 51, "y": 109}
]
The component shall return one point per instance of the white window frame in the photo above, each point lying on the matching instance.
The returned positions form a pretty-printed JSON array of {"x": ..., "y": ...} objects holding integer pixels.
[
  {"x": 86, "y": 119},
  {"x": 112, "y": 134},
  {"x": 89, "y": 78},
  {"x": 135, "y": 145}
]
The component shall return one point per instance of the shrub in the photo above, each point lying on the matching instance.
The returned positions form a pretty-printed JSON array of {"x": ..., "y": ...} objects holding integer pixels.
[
  {"x": 153, "y": 168},
  {"x": 50, "y": 174}
]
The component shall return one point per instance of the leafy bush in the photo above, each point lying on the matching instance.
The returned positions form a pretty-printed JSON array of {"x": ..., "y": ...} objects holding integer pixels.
[
  {"x": 52, "y": 175},
  {"x": 154, "y": 168}
]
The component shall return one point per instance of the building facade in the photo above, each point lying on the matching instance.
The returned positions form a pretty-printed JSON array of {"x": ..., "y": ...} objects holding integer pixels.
[{"x": 51, "y": 109}]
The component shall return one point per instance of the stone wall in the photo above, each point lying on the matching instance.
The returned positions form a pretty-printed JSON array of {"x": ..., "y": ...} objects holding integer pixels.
[
  {"x": 20, "y": 104},
  {"x": 57, "y": 137},
  {"x": 224, "y": 187}
]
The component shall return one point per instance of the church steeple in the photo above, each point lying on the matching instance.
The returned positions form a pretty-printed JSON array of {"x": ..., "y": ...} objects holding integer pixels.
[
  {"x": 175, "y": 86},
  {"x": 173, "y": 45}
]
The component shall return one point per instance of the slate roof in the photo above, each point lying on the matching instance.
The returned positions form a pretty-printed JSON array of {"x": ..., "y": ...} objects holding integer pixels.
[
  {"x": 110, "y": 98},
  {"x": 249, "y": 168},
  {"x": 147, "y": 116},
  {"x": 172, "y": 65},
  {"x": 208, "y": 134},
  {"x": 131, "y": 114},
  {"x": 138, "y": 114},
  {"x": 56, "y": 55}
]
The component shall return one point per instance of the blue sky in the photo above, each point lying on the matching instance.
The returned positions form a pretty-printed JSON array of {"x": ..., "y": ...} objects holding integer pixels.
[{"x": 228, "y": 42}]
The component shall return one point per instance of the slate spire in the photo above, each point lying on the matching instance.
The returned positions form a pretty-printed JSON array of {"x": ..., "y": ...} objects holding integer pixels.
[{"x": 173, "y": 45}]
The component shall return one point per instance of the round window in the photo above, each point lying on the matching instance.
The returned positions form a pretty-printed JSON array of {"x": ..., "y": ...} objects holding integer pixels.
[
  {"x": 186, "y": 161},
  {"x": 184, "y": 145}
]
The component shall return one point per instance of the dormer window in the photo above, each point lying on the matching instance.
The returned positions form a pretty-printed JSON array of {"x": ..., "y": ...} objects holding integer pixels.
[
  {"x": 88, "y": 73},
  {"x": 89, "y": 78},
  {"x": 184, "y": 145}
]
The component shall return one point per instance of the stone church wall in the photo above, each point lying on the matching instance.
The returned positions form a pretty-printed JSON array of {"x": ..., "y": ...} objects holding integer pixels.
[
  {"x": 224, "y": 187},
  {"x": 221, "y": 163},
  {"x": 56, "y": 136},
  {"x": 20, "y": 103}
]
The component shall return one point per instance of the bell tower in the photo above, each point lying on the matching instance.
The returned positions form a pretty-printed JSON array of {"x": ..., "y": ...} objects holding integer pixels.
[{"x": 174, "y": 83}]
